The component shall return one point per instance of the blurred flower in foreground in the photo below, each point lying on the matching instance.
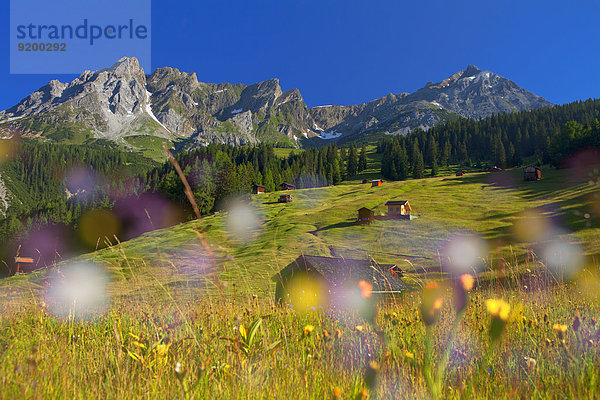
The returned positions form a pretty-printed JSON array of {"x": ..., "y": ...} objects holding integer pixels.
[
  {"x": 79, "y": 291},
  {"x": 499, "y": 310},
  {"x": 371, "y": 373},
  {"x": 337, "y": 392},
  {"x": 462, "y": 286},
  {"x": 431, "y": 303},
  {"x": 365, "y": 288},
  {"x": 242, "y": 221},
  {"x": 563, "y": 257},
  {"x": 465, "y": 254}
]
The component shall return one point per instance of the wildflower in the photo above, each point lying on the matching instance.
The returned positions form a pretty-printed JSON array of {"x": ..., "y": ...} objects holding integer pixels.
[
  {"x": 560, "y": 329},
  {"x": 138, "y": 344},
  {"x": 326, "y": 334},
  {"x": 308, "y": 329},
  {"x": 243, "y": 331},
  {"x": 359, "y": 328},
  {"x": 338, "y": 334},
  {"x": 548, "y": 342},
  {"x": 409, "y": 355},
  {"x": 179, "y": 371},
  {"x": 365, "y": 288},
  {"x": 467, "y": 281},
  {"x": 363, "y": 395},
  {"x": 337, "y": 392},
  {"x": 162, "y": 349},
  {"x": 462, "y": 287},
  {"x": 371, "y": 374},
  {"x": 499, "y": 310},
  {"x": 431, "y": 304}
]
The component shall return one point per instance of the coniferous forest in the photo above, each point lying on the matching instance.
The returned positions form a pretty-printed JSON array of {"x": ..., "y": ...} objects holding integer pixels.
[{"x": 544, "y": 136}]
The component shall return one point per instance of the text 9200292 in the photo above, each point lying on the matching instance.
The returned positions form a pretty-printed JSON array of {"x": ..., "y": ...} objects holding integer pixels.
[{"x": 47, "y": 46}]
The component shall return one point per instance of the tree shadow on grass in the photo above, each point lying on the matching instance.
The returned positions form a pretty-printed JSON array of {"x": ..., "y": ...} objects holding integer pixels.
[{"x": 344, "y": 224}]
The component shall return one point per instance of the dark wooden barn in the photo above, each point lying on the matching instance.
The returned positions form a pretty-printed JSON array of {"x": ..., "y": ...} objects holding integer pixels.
[
  {"x": 365, "y": 216},
  {"x": 459, "y": 173},
  {"x": 287, "y": 186},
  {"x": 332, "y": 278},
  {"x": 532, "y": 174},
  {"x": 258, "y": 189},
  {"x": 285, "y": 198}
]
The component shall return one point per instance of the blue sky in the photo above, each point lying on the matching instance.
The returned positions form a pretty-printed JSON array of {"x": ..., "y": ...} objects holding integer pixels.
[{"x": 347, "y": 52}]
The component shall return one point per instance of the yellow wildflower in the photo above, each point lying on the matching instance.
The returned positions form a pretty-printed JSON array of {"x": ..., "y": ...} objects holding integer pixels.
[
  {"x": 308, "y": 329},
  {"x": 359, "y": 328},
  {"x": 498, "y": 308},
  {"x": 560, "y": 328},
  {"x": 410, "y": 355},
  {"x": 162, "y": 349},
  {"x": 243, "y": 331}
]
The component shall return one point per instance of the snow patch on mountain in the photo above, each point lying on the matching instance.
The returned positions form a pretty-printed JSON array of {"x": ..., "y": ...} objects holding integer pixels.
[
  {"x": 150, "y": 113},
  {"x": 330, "y": 135}
]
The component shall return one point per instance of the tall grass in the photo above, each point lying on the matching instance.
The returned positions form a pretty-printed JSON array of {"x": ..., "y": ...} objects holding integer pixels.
[{"x": 168, "y": 342}]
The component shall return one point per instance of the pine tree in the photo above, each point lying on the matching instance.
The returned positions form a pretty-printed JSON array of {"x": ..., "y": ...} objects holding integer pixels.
[
  {"x": 352, "y": 163},
  {"x": 362, "y": 160},
  {"x": 419, "y": 166}
]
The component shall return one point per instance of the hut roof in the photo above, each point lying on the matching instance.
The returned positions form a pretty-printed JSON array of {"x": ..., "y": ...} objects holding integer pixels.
[
  {"x": 260, "y": 186},
  {"x": 340, "y": 272},
  {"x": 396, "y": 202},
  {"x": 365, "y": 208}
]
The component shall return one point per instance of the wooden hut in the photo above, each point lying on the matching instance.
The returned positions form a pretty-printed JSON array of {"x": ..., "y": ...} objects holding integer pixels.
[
  {"x": 459, "y": 173},
  {"x": 399, "y": 209},
  {"x": 365, "y": 216},
  {"x": 258, "y": 189},
  {"x": 285, "y": 198},
  {"x": 532, "y": 174},
  {"x": 377, "y": 182},
  {"x": 24, "y": 264},
  {"x": 322, "y": 281},
  {"x": 287, "y": 186},
  {"x": 365, "y": 181}
]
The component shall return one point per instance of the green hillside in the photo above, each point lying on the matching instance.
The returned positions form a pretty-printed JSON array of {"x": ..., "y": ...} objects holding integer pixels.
[{"x": 320, "y": 222}]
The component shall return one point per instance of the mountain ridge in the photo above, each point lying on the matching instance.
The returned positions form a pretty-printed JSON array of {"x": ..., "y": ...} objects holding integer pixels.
[{"x": 120, "y": 102}]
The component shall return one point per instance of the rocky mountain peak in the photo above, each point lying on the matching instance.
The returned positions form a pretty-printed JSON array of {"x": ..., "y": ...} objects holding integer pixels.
[
  {"x": 126, "y": 66},
  {"x": 470, "y": 71}
]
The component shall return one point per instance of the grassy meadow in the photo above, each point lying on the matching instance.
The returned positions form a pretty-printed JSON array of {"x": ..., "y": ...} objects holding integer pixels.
[{"x": 189, "y": 310}]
